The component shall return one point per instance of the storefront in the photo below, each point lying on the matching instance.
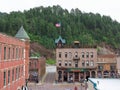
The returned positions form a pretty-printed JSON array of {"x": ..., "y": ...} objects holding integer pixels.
[{"x": 74, "y": 74}]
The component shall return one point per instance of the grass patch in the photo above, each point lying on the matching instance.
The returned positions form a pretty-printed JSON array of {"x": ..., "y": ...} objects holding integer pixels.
[{"x": 51, "y": 61}]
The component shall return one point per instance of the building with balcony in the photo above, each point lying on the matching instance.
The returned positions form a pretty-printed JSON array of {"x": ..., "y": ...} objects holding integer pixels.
[
  {"x": 107, "y": 66},
  {"x": 75, "y": 63},
  {"x": 14, "y": 61}
]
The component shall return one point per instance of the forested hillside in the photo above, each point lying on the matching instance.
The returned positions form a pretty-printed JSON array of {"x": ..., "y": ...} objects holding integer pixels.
[{"x": 39, "y": 23}]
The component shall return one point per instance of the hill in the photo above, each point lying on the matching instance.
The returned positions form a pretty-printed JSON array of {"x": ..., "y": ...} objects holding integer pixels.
[
  {"x": 39, "y": 22},
  {"x": 39, "y": 50}
]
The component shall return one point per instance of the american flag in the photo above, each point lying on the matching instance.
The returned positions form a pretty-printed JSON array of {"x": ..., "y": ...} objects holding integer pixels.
[{"x": 58, "y": 24}]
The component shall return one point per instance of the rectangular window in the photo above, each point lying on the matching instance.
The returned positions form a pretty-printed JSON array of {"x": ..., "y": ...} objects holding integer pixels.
[
  {"x": 65, "y": 63},
  {"x": 91, "y": 54},
  {"x": 59, "y": 54},
  {"x": 59, "y": 62},
  {"x": 8, "y": 76},
  {"x": 16, "y": 73},
  {"x": 0, "y": 51},
  {"x": 87, "y": 54},
  {"x": 65, "y": 54},
  {"x": 100, "y": 67},
  {"x": 13, "y": 74},
  {"x": 83, "y": 63},
  {"x": 13, "y": 53},
  {"x": 22, "y": 52},
  {"x": 83, "y": 54},
  {"x": 16, "y": 53},
  {"x": 91, "y": 63},
  {"x": 4, "y": 78},
  {"x": 70, "y": 64},
  {"x": 4, "y": 53},
  {"x": 87, "y": 63},
  {"x": 9, "y": 53}
]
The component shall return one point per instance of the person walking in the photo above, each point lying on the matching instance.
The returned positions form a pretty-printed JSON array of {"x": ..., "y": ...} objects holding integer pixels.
[{"x": 75, "y": 88}]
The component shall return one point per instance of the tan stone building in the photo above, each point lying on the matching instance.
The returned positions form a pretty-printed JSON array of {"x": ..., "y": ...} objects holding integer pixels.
[
  {"x": 118, "y": 64},
  {"x": 74, "y": 63},
  {"x": 107, "y": 66}
]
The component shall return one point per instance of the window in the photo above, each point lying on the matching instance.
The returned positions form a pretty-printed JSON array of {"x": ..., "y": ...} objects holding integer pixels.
[
  {"x": 83, "y": 54},
  {"x": 91, "y": 55},
  {"x": 17, "y": 73},
  {"x": 76, "y": 63},
  {"x": 13, "y": 74},
  {"x": 83, "y": 63},
  {"x": 65, "y": 54},
  {"x": 13, "y": 53},
  {"x": 100, "y": 67},
  {"x": 91, "y": 63},
  {"x": 29, "y": 64},
  {"x": 87, "y": 63},
  {"x": 70, "y": 64},
  {"x": 70, "y": 55},
  {"x": 76, "y": 54},
  {"x": 4, "y": 78},
  {"x": 87, "y": 54},
  {"x": 35, "y": 64},
  {"x": 112, "y": 67},
  {"x": 59, "y": 62},
  {"x": 16, "y": 53},
  {"x": 9, "y": 53},
  {"x": 59, "y": 54},
  {"x": 65, "y": 63},
  {"x": 22, "y": 52},
  {"x": 8, "y": 76},
  {"x": 0, "y": 52},
  {"x": 4, "y": 53}
]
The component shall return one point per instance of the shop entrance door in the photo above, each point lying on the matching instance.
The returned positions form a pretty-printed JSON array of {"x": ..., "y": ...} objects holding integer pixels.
[{"x": 76, "y": 76}]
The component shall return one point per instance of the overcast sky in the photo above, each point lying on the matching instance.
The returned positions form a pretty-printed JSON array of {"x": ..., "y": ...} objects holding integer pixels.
[{"x": 104, "y": 7}]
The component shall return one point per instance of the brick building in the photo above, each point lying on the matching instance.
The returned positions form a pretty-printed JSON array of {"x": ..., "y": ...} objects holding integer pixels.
[
  {"x": 37, "y": 68},
  {"x": 74, "y": 63},
  {"x": 14, "y": 58}
]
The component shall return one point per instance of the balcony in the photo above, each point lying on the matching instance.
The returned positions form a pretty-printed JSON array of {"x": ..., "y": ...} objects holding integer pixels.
[{"x": 76, "y": 58}]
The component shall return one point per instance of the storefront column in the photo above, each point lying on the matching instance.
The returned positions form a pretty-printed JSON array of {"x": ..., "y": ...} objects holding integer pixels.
[
  {"x": 79, "y": 76},
  {"x": 84, "y": 75},
  {"x": 73, "y": 77},
  {"x": 96, "y": 74},
  {"x": 90, "y": 74},
  {"x": 68, "y": 75},
  {"x": 62, "y": 75},
  {"x": 56, "y": 77}
]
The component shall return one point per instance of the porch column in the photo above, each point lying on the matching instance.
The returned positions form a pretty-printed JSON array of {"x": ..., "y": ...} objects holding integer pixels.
[
  {"x": 90, "y": 74},
  {"x": 68, "y": 75},
  {"x": 62, "y": 75}
]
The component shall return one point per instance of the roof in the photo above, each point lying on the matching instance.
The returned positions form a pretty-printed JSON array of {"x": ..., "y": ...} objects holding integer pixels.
[
  {"x": 106, "y": 83},
  {"x": 60, "y": 38},
  {"x": 21, "y": 34},
  {"x": 107, "y": 56}
]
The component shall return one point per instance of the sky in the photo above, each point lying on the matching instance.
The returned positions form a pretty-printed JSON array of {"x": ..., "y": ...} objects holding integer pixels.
[{"x": 104, "y": 7}]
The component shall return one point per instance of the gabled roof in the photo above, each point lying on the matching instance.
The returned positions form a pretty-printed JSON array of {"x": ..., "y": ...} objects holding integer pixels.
[
  {"x": 60, "y": 39},
  {"x": 21, "y": 34}
]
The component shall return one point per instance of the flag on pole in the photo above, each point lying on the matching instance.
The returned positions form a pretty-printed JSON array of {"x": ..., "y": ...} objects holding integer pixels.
[{"x": 58, "y": 24}]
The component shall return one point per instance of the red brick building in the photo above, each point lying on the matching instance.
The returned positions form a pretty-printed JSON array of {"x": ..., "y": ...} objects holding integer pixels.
[
  {"x": 36, "y": 68},
  {"x": 14, "y": 60}
]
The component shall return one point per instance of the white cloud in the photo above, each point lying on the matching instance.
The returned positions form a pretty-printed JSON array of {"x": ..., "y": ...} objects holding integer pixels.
[{"x": 104, "y": 7}]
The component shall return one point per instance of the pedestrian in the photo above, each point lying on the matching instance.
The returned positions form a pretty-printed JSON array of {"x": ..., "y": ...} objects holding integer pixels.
[{"x": 75, "y": 88}]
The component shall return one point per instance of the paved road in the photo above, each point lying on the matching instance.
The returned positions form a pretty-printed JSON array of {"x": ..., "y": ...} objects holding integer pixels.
[
  {"x": 56, "y": 87},
  {"x": 50, "y": 77},
  {"x": 50, "y": 85}
]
